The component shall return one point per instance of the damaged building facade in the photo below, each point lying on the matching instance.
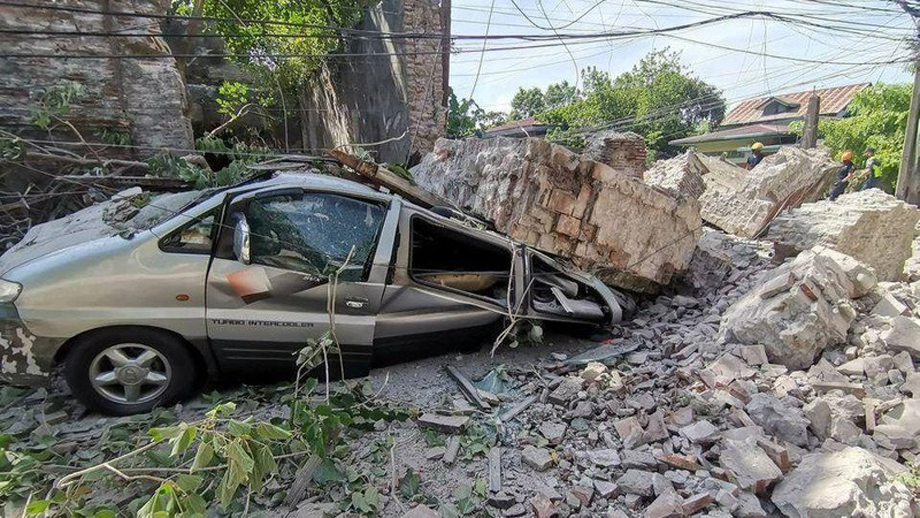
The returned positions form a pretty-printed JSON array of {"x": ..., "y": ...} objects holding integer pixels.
[{"x": 398, "y": 97}]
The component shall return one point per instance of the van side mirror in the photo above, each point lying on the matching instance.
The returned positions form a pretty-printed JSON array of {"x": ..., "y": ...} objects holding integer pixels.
[{"x": 241, "y": 239}]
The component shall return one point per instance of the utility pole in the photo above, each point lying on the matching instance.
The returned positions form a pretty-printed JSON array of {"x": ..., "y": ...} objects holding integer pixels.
[
  {"x": 810, "y": 134},
  {"x": 908, "y": 188},
  {"x": 445, "y": 53}
]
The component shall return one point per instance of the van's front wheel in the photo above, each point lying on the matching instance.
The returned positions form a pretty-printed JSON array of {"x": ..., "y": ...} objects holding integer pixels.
[{"x": 122, "y": 372}]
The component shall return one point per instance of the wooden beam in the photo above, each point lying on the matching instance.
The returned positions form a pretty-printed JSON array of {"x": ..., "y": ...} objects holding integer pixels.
[
  {"x": 379, "y": 175},
  {"x": 466, "y": 386}
]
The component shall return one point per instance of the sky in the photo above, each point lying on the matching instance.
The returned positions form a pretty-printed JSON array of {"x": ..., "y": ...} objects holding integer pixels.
[{"x": 836, "y": 56}]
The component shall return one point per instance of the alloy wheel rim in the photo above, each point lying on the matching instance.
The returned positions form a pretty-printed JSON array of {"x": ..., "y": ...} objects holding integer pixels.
[{"x": 130, "y": 373}]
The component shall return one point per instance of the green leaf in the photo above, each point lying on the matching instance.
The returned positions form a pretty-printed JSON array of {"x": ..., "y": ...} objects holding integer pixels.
[
  {"x": 183, "y": 441},
  {"x": 221, "y": 410},
  {"x": 195, "y": 503},
  {"x": 188, "y": 483},
  {"x": 203, "y": 456},
  {"x": 105, "y": 513},
  {"x": 239, "y": 428},
  {"x": 37, "y": 507},
  {"x": 409, "y": 484},
  {"x": 161, "y": 434},
  {"x": 229, "y": 483},
  {"x": 270, "y": 432}
]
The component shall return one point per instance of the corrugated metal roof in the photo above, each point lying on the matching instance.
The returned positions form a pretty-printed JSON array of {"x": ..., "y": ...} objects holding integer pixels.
[
  {"x": 750, "y": 130},
  {"x": 833, "y": 101}
]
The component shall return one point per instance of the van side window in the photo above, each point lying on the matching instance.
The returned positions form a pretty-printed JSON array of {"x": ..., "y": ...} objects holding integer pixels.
[
  {"x": 195, "y": 237},
  {"x": 314, "y": 233}
]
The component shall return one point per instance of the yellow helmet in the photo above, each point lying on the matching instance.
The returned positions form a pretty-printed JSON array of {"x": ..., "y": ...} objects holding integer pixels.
[
  {"x": 847, "y": 155},
  {"x": 757, "y": 146}
]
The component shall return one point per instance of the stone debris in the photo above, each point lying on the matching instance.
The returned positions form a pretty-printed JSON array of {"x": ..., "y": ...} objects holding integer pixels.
[
  {"x": 849, "y": 482},
  {"x": 539, "y": 459},
  {"x": 546, "y": 196},
  {"x": 444, "y": 423},
  {"x": 748, "y": 465},
  {"x": 680, "y": 177},
  {"x": 743, "y": 203},
  {"x": 796, "y": 323},
  {"x": 871, "y": 226},
  {"x": 904, "y": 335}
]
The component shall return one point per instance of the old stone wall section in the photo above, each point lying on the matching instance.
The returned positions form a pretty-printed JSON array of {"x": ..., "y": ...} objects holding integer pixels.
[{"x": 145, "y": 98}]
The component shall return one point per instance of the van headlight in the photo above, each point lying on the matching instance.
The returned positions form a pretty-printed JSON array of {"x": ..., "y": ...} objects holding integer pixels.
[{"x": 9, "y": 291}]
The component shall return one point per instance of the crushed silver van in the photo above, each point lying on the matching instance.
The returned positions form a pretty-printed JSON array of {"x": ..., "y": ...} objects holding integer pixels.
[{"x": 139, "y": 298}]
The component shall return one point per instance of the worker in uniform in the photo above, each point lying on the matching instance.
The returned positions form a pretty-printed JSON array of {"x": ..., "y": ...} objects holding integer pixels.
[
  {"x": 873, "y": 170},
  {"x": 844, "y": 175},
  {"x": 756, "y": 155}
]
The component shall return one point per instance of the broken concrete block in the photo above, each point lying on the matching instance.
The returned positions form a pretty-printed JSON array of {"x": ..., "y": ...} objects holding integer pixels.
[
  {"x": 542, "y": 506},
  {"x": 904, "y": 335},
  {"x": 604, "y": 458},
  {"x": 667, "y": 505},
  {"x": 630, "y": 432},
  {"x": 443, "y": 423},
  {"x": 754, "y": 354},
  {"x": 566, "y": 391},
  {"x": 795, "y": 325},
  {"x": 871, "y": 226},
  {"x": 546, "y": 196},
  {"x": 637, "y": 482},
  {"x": 889, "y": 306},
  {"x": 905, "y": 415},
  {"x": 849, "y": 482},
  {"x": 743, "y": 203},
  {"x": 701, "y": 432},
  {"x": 750, "y": 467},
  {"x": 681, "y": 176},
  {"x": 605, "y": 489},
  {"x": 421, "y": 511},
  {"x": 680, "y": 461},
  {"x": 710, "y": 263},
  {"x": 639, "y": 459},
  {"x": 697, "y": 503},
  {"x": 539, "y": 459},
  {"x": 553, "y": 432},
  {"x": 778, "y": 419},
  {"x": 593, "y": 371}
]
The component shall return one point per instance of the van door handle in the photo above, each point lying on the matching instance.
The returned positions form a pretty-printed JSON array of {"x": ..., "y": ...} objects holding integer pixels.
[{"x": 355, "y": 302}]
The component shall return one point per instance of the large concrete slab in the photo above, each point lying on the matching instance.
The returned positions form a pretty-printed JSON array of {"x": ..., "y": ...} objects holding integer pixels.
[
  {"x": 871, "y": 226},
  {"x": 744, "y": 202},
  {"x": 630, "y": 234}
]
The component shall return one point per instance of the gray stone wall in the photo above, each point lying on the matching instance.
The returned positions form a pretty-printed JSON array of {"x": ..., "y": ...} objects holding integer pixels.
[{"x": 145, "y": 98}]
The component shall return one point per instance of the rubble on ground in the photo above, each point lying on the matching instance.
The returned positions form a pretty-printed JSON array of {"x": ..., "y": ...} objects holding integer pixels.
[
  {"x": 744, "y": 202},
  {"x": 800, "y": 308},
  {"x": 625, "y": 152},
  {"x": 551, "y": 198},
  {"x": 871, "y": 226}
]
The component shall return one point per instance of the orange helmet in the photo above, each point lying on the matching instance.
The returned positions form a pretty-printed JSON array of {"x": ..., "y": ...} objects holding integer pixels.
[{"x": 847, "y": 155}]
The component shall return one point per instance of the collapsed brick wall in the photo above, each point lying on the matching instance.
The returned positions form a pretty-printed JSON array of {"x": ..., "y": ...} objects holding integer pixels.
[
  {"x": 625, "y": 152},
  {"x": 145, "y": 98},
  {"x": 546, "y": 196}
]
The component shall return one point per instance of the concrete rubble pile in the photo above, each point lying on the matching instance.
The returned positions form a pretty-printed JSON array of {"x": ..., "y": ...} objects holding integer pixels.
[
  {"x": 743, "y": 203},
  {"x": 681, "y": 176},
  {"x": 871, "y": 226},
  {"x": 693, "y": 421},
  {"x": 548, "y": 197}
]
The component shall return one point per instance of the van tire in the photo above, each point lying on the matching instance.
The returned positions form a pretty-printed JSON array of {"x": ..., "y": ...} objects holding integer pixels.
[{"x": 173, "y": 357}]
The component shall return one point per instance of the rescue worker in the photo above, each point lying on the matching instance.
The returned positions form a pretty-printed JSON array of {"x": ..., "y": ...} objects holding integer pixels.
[
  {"x": 843, "y": 175},
  {"x": 873, "y": 170},
  {"x": 756, "y": 155}
]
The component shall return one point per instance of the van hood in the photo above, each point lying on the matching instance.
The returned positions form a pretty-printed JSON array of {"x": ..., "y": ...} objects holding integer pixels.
[{"x": 127, "y": 213}]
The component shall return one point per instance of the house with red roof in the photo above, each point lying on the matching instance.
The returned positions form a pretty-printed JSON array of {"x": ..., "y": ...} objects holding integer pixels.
[{"x": 767, "y": 120}]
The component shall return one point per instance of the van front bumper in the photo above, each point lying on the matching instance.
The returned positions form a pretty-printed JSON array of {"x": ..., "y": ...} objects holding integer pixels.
[{"x": 25, "y": 359}]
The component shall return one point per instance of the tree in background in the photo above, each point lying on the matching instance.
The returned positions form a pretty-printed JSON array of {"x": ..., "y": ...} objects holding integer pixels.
[
  {"x": 466, "y": 119},
  {"x": 658, "y": 99},
  {"x": 527, "y": 103},
  {"x": 877, "y": 118}
]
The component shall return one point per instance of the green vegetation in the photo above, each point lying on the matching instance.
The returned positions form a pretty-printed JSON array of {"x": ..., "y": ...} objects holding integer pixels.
[
  {"x": 877, "y": 118},
  {"x": 466, "y": 119},
  {"x": 658, "y": 99}
]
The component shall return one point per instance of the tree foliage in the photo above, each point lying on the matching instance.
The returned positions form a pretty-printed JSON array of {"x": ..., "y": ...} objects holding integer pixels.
[
  {"x": 658, "y": 99},
  {"x": 527, "y": 103},
  {"x": 877, "y": 118},
  {"x": 306, "y": 31},
  {"x": 465, "y": 118}
]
